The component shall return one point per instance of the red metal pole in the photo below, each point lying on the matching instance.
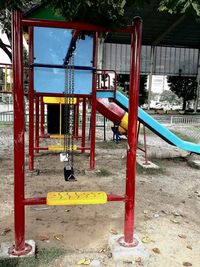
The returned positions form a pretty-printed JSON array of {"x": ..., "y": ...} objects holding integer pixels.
[
  {"x": 77, "y": 119},
  {"x": 20, "y": 248},
  {"x": 83, "y": 124},
  {"x": 94, "y": 104},
  {"x": 37, "y": 118},
  {"x": 31, "y": 103},
  {"x": 132, "y": 133},
  {"x": 41, "y": 116}
]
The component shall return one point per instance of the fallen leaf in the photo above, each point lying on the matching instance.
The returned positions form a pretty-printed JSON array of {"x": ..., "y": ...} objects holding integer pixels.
[
  {"x": 80, "y": 262},
  {"x": 145, "y": 211},
  {"x": 176, "y": 214},
  {"x": 182, "y": 236},
  {"x": 113, "y": 231},
  {"x": 186, "y": 263},
  {"x": 156, "y": 250},
  {"x": 87, "y": 262},
  {"x": 189, "y": 247},
  {"x": 146, "y": 239},
  {"x": 175, "y": 221},
  {"x": 5, "y": 231},
  {"x": 138, "y": 259},
  {"x": 43, "y": 237},
  {"x": 83, "y": 262},
  {"x": 67, "y": 210},
  {"x": 165, "y": 212},
  {"x": 58, "y": 237}
]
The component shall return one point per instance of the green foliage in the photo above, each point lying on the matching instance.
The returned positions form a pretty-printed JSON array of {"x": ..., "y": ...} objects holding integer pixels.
[
  {"x": 43, "y": 258},
  {"x": 180, "y": 6},
  {"x": 183, "y": 87},
  {"x": 170, "y": 97}
]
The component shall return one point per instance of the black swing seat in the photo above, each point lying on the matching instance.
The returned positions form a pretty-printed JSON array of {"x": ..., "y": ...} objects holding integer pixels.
[{"x": 69, "y": 173}]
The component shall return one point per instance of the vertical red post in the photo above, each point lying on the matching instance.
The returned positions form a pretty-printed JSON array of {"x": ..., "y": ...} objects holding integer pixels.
[
  {"x": 132, "y": 133},
  {"x": 83, "y": 124},
  {"x": 77, "y": 119},
  {"x": 20, "y": 247},
  {"x": 42, "y": 116},
  {"x": 31, "y": 102},
  {"x": 94, "y": 104},
  {"x": 37, "y": 118}
]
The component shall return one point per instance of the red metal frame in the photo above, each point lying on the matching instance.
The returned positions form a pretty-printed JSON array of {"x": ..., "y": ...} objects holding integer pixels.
[
  {"x": 42, "y": 120},
  {"x": 83, "y": 125},
  {"x": 94, "y": 104},
  {"x": 132, "y": 134},
  {"x": 31, "y": 103},
  {"x": 77, "y": 119},
  {"x": 20, "y": 248},
  {"x": 37, "y": 121}
]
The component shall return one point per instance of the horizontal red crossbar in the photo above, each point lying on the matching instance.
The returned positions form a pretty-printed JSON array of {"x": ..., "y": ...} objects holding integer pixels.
[{"x": 80, "y": 26}]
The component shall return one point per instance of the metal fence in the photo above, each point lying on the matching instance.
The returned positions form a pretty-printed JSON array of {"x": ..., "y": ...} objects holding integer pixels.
[{"x": 185, "y": 120}]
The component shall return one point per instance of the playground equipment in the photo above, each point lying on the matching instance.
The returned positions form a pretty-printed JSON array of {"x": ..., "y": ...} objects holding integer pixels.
[
  {"x": 38, "y": 82},
  {"x": 117, "y": 112}
]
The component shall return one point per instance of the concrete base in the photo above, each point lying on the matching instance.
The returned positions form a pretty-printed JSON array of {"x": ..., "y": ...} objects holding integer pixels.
[
  {"x": 128, "y": 254},
  {"x": 6, "y": 245},
  {"x": 149, "y": 165},
  {"x": 194, "y": 163}
]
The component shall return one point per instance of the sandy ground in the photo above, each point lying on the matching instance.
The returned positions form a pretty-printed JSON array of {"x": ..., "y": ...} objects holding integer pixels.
[{"x": 167, "y": 205}]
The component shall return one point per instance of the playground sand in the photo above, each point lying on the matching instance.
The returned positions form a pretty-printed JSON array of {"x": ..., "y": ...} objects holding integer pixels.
[{"x": 167, "y": 205}]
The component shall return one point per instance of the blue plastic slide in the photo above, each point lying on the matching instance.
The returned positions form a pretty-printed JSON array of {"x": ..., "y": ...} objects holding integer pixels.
[
  {"x": 153, "y": 124},
  {"x": 158, "y": 128}
]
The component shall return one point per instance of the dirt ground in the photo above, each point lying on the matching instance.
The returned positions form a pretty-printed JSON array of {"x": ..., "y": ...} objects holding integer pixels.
[{"x": 167, "y": 205}]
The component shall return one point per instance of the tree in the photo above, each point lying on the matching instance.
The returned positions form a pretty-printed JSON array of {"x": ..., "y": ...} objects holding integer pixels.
[
  {"x": 181, "y": 6},
  {"x": 5, "y": 19},
  {"x": 183, "y": 87},
  {"x": 109, "y": 13},
  {"x": 170, "y": 97}
]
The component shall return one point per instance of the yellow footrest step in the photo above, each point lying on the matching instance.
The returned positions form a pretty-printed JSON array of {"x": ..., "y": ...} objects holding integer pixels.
[
  {"x": 61, "y": 148},
  {"x": 76, "y": 198}
]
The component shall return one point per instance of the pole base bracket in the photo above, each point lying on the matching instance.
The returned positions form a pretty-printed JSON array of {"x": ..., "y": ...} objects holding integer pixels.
[
  {"x": 27, "y": 249},
  {"x": 122, "y": 242}
]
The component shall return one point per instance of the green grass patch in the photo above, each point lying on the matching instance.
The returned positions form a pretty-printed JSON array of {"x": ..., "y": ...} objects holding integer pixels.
[{"x": 43, "y": 258}]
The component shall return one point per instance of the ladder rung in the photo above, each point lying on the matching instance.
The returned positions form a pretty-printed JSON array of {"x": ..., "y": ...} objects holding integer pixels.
[
  {"x": 76, "y": 198},
  {"x": 62, "y": 148},
  {"x": 56, "y": 136}
]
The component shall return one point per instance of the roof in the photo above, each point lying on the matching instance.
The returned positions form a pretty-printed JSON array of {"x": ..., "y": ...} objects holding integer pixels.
[{"x": 162, "y": 28}]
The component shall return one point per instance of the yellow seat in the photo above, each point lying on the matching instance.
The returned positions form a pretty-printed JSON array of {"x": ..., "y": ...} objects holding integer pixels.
[
  {"x": 76, "y": 198},
  {"x": 62, "y": 148}
]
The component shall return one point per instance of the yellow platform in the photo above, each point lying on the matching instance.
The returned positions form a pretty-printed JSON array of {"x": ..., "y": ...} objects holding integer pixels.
[
  {"x": 59, "y": 100},
  {"x": 62, "y": 148},
  {"x": 76, "y": 198}
]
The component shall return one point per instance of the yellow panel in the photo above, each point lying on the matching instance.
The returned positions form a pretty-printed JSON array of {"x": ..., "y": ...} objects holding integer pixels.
[
  {"x": 56, "y": 136},
  {"x": 122, "y": 130},
  {"x": 59, "y": 100},
  {"x": 76, "y": 198},
  {"x": 124, "y": 121},
  {"x": 61, "y": 148}
]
